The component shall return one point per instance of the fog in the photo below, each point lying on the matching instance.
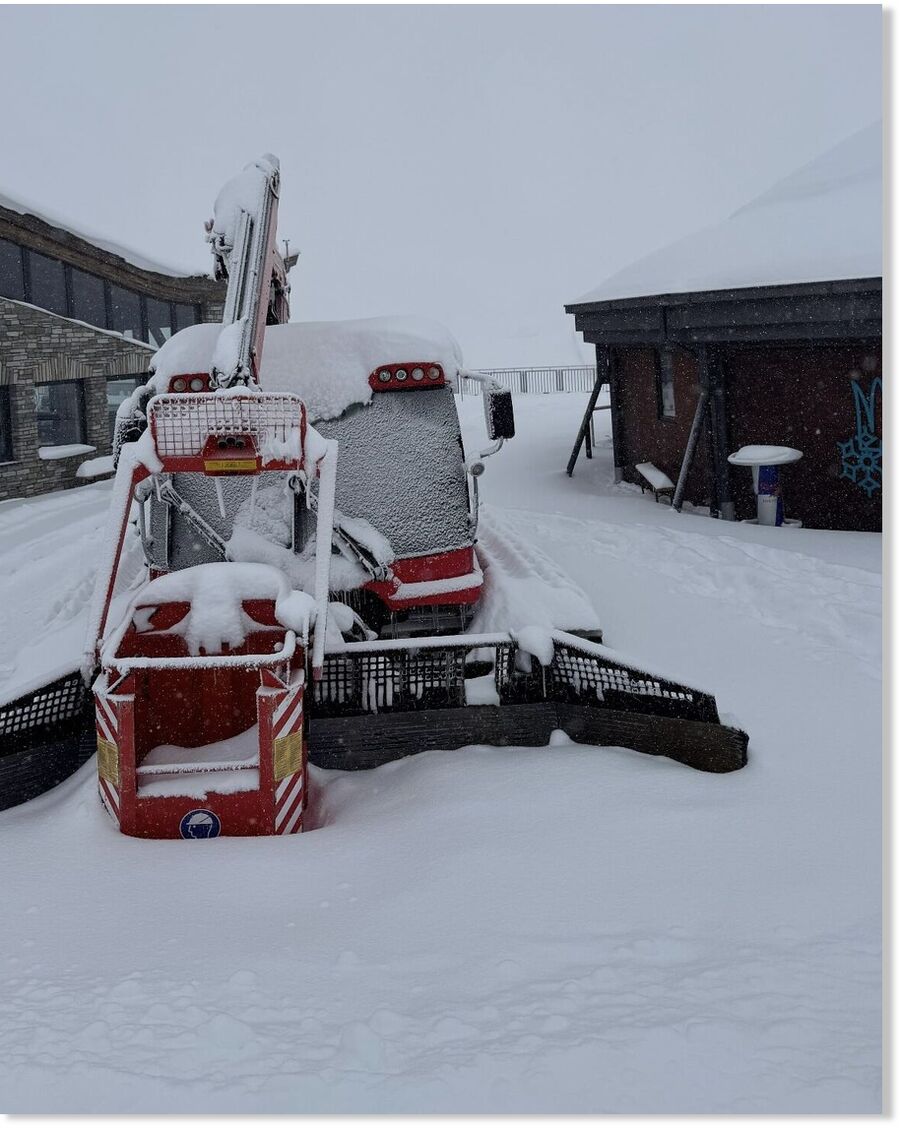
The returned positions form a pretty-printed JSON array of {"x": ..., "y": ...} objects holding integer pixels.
[{"x": 478, "y": 165}]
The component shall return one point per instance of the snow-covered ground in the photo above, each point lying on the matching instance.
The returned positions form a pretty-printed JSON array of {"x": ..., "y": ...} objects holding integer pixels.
[{"x": 566, "y": 929}]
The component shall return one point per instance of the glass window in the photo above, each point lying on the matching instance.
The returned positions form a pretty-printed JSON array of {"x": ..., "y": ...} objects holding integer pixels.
[
  {"x": 125, "y": 307},
  {"x": 48, "y": 283},
  {"x": 665, "y": 377},
  {"x": 60, "y": 412},
  {"x": 186, "y": 315},
  {"x": 160, "y": 325},
  {"x": 118, "y": 389},
  {"x": 6, "y": 447},
  {"x": 88, "y": 300},
  {"x": 12, "y": 278}
]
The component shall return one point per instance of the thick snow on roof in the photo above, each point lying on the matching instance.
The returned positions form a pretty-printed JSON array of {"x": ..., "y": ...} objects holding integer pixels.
[
  {"x": 821, "y": 223},
  {"x": 136, "y": 258},
  {"x": 327, "y": 363}
]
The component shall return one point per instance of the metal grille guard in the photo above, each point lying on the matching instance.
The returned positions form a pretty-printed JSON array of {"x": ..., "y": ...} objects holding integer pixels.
[{"x": 379, "y": 701}]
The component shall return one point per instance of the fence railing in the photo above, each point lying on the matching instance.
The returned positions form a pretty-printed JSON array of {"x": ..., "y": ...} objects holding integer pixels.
[{"x": 575, "y": 378}]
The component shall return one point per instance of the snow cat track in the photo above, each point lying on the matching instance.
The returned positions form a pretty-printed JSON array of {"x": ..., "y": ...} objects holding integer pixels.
[
  {"x": 381, "y": 701},
  {"x": 44, "y": 737}
]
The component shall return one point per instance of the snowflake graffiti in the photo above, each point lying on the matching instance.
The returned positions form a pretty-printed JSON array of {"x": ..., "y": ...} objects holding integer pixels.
[{"x": 861, "y": 453}]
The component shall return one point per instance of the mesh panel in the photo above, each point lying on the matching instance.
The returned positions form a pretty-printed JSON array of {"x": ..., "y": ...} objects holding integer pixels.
[
  {"x": 584, "y": 672},
  {"x": 576, "y": 674},
  {"x": 60, "y": 701},
  {"x": 372, "y": 682},
  {"x": 182, "y": 424}
]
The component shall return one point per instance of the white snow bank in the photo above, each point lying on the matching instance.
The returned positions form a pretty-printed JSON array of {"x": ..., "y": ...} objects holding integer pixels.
[
  {"x": 95, "y": 467},
  {"x": 66, "y": 450},
  {"x": 197, "y": 785},
  {"x": 216, "y": 592},
  {"x": 328, "y": 363},
  {"x": 240, "y": 750},
  {"x": 821, "y": 223},
  {"x": 188, "y": 351},
  {"x": 129, "y": 254}
]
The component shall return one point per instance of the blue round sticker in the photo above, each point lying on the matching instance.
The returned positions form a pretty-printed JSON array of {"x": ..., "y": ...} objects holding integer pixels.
[{"x": 200, "y": 824}]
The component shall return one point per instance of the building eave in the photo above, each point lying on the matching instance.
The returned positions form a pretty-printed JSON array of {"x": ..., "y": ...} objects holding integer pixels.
[{"x": 839, "y": 309}]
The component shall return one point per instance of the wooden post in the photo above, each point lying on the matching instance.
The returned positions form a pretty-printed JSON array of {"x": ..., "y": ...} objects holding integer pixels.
[
  {"x": 719, "y": 431},
  {"x": 584, "y": 431},
  {"x": 610, "y": 362},
  {"x": 678, "y": 496}
]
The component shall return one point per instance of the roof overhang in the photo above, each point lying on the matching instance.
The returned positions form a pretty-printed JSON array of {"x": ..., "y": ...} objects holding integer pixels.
[{"x": 848, "y": 309}]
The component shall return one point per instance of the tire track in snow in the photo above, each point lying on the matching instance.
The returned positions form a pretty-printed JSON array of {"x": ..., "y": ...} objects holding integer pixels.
[
  {"x": 780, "y": 1021},
  {"x": 523, "y": 585},
  {"x": 832, "y": 608}
]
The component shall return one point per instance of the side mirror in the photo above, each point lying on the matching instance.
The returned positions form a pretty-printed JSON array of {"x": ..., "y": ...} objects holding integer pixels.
[{"x": 498, "y": 414}]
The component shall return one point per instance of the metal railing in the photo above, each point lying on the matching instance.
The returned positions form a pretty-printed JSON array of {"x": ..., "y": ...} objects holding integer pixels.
[{"x": 528, "y": 381}]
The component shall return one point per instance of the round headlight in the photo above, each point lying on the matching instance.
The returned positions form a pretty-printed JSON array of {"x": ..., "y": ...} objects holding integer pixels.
[
  {"x": 418, "y": 374},
  {"x": 400, "y": 373},
  {"x": 434, "y": 373},
  {"x": 384, "y": 376},
  {"x": 196, "y": 384},
  {"x": 180, "y": 385}
]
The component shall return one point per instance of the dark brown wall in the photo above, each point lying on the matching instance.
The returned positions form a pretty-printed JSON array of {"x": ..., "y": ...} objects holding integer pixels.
[
  {"x": 803, "y": 397},
  {"x": 644, "y": 437}
]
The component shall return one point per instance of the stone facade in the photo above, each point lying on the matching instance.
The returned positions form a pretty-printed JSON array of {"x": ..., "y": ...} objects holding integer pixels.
[{"x": 38, "y": 347}]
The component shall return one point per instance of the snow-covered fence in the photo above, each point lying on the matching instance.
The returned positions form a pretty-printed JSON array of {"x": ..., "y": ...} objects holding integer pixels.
[{"x": 526, "y": 381}]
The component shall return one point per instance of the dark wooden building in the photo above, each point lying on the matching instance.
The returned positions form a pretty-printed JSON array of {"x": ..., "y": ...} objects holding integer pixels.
[{"x": 765, "y": 329}]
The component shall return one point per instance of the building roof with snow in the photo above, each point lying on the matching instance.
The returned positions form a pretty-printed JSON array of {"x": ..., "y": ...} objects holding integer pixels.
[{"x": 821, "y": 223}]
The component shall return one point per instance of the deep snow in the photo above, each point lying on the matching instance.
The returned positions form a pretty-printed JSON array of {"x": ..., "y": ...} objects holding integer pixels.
[
  {"x": 821, "y": 223},
  {"x": 561, "y": 929}
]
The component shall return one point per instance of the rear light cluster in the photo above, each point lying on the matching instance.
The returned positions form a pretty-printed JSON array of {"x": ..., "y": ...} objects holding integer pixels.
[
  {"x": 396, "y": 377},
  {"x": 199, "y": 382}
]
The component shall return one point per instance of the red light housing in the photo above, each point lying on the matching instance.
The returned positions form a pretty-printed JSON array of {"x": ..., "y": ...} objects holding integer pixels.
[
  {"x": 195, "y": 382},
  {"x": 407, "y": 376},
  {"x": 231, "y": 454}
]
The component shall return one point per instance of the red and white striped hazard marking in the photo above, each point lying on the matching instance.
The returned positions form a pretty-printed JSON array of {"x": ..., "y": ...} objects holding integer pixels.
[
  {"x": 287, "y": 733},
  {"x": 108, "y": 756},
  {"x": 110, "y": 797},
  {"x": 289, "y": 804}
]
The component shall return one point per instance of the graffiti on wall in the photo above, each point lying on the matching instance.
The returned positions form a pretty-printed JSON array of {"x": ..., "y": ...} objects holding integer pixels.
[{"x": 861, "y": 453}]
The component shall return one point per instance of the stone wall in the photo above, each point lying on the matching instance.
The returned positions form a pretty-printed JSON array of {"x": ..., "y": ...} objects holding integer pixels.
[{"x": 38, "y": 347}]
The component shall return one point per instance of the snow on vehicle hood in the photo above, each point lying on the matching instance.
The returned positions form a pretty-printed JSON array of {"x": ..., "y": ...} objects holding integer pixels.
[{"x": 326, "y": 363}]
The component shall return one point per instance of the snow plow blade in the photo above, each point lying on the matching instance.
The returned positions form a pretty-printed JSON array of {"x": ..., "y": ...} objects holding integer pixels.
[{"x": 381, "y": 701}]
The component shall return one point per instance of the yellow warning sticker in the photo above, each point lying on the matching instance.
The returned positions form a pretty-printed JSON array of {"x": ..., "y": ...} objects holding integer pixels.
[
  {"x": 288, "y": 754},
  {"x": 108, "y": 761}
]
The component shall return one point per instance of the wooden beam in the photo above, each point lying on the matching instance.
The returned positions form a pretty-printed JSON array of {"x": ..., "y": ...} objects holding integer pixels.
[{"x": 584, "y": 431}]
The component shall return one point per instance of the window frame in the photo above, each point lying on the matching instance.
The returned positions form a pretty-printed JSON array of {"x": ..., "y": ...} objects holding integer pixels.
[
  {"x": 23, "y": 295},
  {"x": 139, "y": 378},
  {"x": 71, "y": 271},
  {"x": 665, "y": 372},
  {"x": 7, "y": 446},
  {"x": 81, "y": 414},
  {"x": 30, "y": 256}
]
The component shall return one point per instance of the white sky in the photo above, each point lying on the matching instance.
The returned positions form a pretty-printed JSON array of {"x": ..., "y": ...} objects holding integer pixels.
[{"x": 477, "y": 165}]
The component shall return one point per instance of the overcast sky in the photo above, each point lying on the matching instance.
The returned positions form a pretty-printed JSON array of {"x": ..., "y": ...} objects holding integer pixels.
[{"x": 477, "y": 165}]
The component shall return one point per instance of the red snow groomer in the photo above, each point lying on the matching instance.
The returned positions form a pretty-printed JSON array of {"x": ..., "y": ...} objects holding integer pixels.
[{"x": 308, "y": 568}]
